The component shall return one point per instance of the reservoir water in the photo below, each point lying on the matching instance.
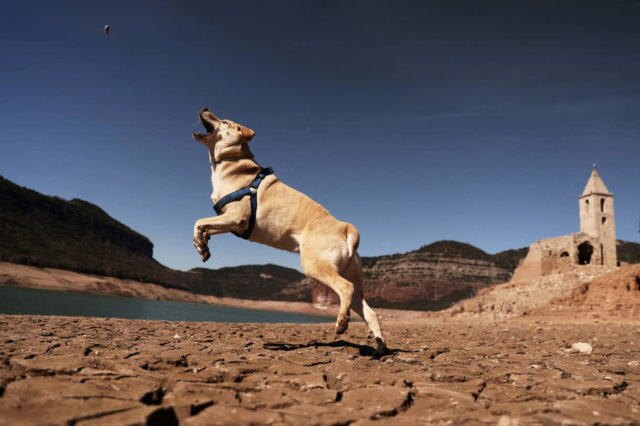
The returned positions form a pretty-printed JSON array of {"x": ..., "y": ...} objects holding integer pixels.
[{"x": 17, "y": 300}]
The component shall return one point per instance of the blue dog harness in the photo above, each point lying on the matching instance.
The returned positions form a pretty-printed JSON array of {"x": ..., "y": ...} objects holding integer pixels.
[{"x": 251, "y": 190}]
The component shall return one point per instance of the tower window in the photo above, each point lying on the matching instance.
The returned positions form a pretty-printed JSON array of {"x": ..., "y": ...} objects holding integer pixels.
[
  {"x": 604, "y": 219},
  {"x": 601, "y": 204},
  {"x": 586, "y": 203}
]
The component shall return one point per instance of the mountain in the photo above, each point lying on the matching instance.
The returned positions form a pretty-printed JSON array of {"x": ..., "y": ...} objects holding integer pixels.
[
  {"x": 46, "y": 231},
  {"x": 431, "y": 278},
  {"x": 440, "y": 274},
  {"x": 257, "y": 282},
  {"x": 628, "y": 252}
]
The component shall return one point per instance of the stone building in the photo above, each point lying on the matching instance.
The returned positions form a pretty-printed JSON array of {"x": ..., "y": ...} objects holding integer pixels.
[{"x": 594, "y": 245}]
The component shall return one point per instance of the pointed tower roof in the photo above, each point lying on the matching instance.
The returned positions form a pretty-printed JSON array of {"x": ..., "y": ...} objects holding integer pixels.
[{"x": 595, "y": 185}]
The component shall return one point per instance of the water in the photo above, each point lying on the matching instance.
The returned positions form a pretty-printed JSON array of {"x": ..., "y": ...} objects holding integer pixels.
[{"x": 17, "y": 300}]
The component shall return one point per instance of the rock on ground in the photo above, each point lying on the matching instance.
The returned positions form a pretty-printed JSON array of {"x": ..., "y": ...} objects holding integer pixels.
[{"x": 88, "y": 371}]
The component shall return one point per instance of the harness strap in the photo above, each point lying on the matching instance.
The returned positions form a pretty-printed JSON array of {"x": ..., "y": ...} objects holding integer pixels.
[{"x": 251, "y": 190}]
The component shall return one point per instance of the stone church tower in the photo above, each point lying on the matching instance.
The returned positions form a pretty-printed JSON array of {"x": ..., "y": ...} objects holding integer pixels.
[
  {"x": 591, "y": 249},
  {"x": 597, "y": 221}
]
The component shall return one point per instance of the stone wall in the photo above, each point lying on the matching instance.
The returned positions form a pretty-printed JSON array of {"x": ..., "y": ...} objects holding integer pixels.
[{"x": 560, "y": 255}]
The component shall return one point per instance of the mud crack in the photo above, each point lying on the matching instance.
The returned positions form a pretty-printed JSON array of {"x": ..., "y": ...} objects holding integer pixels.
[
  {"x": 406, "y": 404},
  {"x": 477, "y": 393},
  {"x": 75, "y": 420},
  {"x": 439, "y": 352},
  {"x": 153, "y": 397}
]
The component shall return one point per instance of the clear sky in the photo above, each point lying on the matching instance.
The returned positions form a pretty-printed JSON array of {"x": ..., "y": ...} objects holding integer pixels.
[{"x": 416, "y": 121}]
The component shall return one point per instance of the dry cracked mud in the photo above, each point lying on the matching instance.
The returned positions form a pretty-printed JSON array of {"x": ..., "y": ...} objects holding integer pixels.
[{"x": 90, "y": 371}]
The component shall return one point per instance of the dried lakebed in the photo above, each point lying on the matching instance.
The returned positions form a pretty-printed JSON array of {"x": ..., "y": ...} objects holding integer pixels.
[{"x": 61, "y": 370}]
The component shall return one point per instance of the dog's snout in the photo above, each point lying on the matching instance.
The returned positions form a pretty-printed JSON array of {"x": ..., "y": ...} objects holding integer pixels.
[
  {"x": 208, "y": 120},
  {"x": 248, "y": 133}
]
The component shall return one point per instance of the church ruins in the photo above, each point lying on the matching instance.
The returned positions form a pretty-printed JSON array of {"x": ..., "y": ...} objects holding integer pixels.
[{"x": 593, "y": 246}]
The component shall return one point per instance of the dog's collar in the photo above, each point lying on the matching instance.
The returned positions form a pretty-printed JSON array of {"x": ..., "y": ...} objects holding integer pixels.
[{"x": 214, "y": 162}]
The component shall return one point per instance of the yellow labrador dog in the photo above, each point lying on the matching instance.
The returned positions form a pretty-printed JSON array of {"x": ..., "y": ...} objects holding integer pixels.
[{"x": 252, "y": 203}]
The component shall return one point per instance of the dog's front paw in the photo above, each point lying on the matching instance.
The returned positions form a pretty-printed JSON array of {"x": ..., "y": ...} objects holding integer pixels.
[
  {"x": 203, "y": 249},
  {"x": 200, "y": 242},
  {"x": 205, "y": 254}
]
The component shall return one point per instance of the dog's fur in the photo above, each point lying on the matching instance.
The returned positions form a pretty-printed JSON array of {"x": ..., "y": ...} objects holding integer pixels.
[{"x": 286, "y": 219}]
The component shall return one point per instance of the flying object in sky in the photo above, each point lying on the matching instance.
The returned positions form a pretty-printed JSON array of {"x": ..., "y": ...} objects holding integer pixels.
[{"x": 106, "y": 29}]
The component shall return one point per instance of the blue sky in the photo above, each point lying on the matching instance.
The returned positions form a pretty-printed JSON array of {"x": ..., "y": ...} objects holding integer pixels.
[{"x": 415, "y": 121}]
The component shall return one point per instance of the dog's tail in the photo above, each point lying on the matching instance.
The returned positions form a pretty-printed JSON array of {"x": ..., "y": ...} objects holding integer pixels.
[{"x": 353, "y": 239}]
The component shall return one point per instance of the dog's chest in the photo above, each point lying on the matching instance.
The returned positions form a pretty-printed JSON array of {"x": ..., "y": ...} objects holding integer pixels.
[{"x": 222, "y": 187}]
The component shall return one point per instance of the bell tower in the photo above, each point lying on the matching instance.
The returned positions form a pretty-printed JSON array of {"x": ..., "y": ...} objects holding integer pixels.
[{"x": 597, "y": 220}]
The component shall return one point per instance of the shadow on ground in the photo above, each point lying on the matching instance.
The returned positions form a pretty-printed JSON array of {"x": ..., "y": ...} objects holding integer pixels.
[{"x": 364, "y": 350}]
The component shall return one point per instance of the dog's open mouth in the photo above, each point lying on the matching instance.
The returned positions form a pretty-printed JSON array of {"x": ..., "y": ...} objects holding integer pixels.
[
  {"x": 207, "y": 125},
  {"x": 205, "y": 122}
]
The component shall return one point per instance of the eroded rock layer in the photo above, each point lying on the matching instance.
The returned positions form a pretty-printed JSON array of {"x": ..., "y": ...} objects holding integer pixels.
[{"x": 431, "y": 278}]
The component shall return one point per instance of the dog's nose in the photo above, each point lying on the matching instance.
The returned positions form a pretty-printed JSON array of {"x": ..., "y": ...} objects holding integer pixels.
[{"x": 248, "y": 133}]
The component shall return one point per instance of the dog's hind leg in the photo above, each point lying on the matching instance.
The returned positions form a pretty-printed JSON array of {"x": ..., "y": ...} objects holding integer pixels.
[
  {"x": 327, "y": 273},
  {"x": 353, "y": 273}
]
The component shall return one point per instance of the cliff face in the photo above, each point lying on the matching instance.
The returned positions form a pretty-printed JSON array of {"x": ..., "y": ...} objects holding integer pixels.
[{"x": 424, "y": 280}]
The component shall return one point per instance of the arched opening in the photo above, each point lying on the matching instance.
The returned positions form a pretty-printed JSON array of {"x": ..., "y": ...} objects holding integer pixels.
[
  {"x": 564, "y": 254},
  {"x": 586, "y": 203},
  {"x": 585, "y": 250},
  {"x": 601, "y": 204}
]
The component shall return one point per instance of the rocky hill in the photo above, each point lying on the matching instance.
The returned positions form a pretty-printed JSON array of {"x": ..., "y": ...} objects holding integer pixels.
[
  {"x": 39, "y": 230},
  {"x": 47, "y": 231},
  {"x": 587, "y": 292},
  {"x": 628, "y": 252},
  {"x": 434, "y": 277},
  {"x": 431, "y": 278},
  {"x": 257, "y": 282}
]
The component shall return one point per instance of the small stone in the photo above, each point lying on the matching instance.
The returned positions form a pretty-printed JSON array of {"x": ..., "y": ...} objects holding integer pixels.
[
  {"x": 581, "y": 347},
  {"x": 176, "y": 336},
  {"x": 507, "y": 421}
]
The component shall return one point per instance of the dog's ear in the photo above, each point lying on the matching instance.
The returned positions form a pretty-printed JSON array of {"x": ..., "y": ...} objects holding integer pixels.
[{"x": 247, "y": 133}]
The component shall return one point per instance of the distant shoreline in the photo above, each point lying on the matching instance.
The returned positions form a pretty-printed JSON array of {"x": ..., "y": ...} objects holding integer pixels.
[{"x": 17, "y": 275}]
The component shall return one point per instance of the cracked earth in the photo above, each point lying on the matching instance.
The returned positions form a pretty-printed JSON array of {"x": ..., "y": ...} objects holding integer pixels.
[{"x": 90, "y": 371}]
